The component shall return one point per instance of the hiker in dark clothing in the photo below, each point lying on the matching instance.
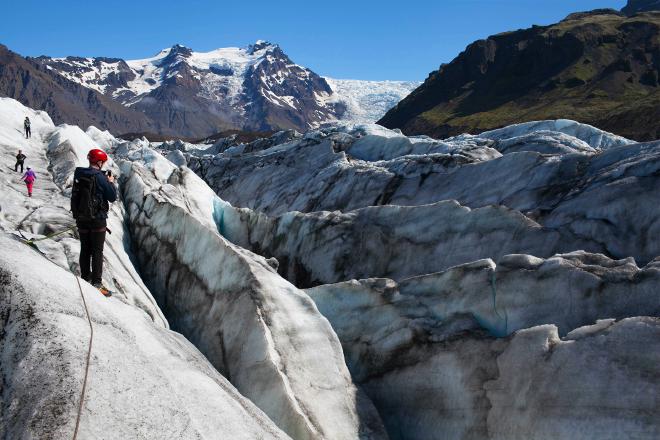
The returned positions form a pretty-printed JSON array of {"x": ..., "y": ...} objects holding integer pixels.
[
  {"x": 26, "y": 125},
  {"x": 20, "y": 159},
  {"x": 91, "y": 194}
]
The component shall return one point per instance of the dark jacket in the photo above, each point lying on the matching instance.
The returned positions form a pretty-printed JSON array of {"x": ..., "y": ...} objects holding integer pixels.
[
  {"x": 105, "y": 190},
  {"x": 20, "y": 157}
]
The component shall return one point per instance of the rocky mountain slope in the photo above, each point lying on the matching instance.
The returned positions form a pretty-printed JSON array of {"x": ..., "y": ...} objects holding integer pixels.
[
  {"x": 65, "y": 101},
  {"x": 598, "y": 67},
  {"x": 636, "y": 6},
  {"x": 508, "y": 287},
  {"x": 196, "y": 94}
]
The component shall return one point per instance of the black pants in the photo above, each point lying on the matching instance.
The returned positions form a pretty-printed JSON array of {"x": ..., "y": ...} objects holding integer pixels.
[
  {"x": 17, "y": 165},
  {"x": 28, "y": 133},
  {"x": 92, "y": 239}
]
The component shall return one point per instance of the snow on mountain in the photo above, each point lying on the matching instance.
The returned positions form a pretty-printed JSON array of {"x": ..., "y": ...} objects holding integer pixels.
[
  {"x": 254, "y": 88},
  {"x": 221, "y": 71}
]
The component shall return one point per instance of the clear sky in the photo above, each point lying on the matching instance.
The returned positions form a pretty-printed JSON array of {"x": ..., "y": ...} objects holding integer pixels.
[{"x": 357, "y": 39}]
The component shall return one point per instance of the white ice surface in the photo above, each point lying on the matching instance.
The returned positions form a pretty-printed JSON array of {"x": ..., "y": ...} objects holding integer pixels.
[
  {"x": 53, "y": 153},
  {"x": 593, "y": 136},
  {"x": 145, "y": 382}
]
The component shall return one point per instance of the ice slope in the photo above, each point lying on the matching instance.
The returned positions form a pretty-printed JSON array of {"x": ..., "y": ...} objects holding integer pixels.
[
  {"x": 54, "y": 152},
  {"x": 281, "y": 352},
  {"x": 144, "y": 380},
  {"x": 285, "y": 355},
  {"x": 153, "y": 382},
  {"x": 255, "y": 327}
]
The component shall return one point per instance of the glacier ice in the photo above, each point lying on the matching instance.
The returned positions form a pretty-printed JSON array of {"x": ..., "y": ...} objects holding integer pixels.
[
  {"x": 497, "y": 286},
  {"x": 261, "y": 332}
]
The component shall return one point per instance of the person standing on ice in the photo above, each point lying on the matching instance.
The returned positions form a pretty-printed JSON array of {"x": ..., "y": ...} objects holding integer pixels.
[
  {"x": 26, "y": 125},
  {"x": 93, "y": 191},
  {"x": 29, "y": 177},
  {"x": 20, "y": 159}
]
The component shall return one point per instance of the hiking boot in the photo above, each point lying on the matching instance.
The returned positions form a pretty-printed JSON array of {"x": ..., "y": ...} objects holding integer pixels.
[{"x": 104, "y": 290}]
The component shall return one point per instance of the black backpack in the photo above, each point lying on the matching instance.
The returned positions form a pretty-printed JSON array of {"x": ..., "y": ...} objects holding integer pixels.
[{"x": 85, "y": 202}]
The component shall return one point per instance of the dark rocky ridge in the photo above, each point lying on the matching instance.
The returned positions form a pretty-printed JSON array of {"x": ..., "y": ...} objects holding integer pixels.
[
  {"x": 38, "y": 87},
  {"x": 635, "y": 6},
  {"x": 301, "y": 83},
  {"x": 600, "y": 68}
]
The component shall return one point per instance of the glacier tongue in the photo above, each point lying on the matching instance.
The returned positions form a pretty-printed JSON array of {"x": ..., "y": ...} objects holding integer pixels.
[{"x": 368, "y": 101}]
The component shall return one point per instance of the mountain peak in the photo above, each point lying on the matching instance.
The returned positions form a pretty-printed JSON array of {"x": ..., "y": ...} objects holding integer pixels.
[
  {"x": 260, "y": 45},
  {"x": 180, "y": 49},
  {"x": 175, "y": 54}
]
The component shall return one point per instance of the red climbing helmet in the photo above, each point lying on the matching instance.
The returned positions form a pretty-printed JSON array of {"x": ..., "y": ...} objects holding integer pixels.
[{"x": 97, "y": 155}]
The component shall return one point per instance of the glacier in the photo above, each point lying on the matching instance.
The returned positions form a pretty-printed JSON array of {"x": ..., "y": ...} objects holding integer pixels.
[{"x": 345, "y": 283}]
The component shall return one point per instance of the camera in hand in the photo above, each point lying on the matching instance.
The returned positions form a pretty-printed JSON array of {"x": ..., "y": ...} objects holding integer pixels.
[{"x": 108, "y": 173}]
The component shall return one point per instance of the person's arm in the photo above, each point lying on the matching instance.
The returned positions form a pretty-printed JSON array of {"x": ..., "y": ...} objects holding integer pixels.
[{"x": 107, "y": 188}]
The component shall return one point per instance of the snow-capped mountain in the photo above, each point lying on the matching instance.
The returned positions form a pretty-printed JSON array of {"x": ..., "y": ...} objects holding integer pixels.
[{"x": 255, "y": 88}]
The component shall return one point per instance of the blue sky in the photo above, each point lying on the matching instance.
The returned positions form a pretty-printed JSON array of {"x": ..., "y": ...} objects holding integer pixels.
[{"x": 359, "y": 39}]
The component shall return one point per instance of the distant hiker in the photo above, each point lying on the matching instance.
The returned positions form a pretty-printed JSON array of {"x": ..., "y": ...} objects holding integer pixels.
[
  {"x": 29, "y": 177},
  {"x": 26, "y": 125},
  {"x": 90, "y": 196},
  {"x": 20, "y": 159}
]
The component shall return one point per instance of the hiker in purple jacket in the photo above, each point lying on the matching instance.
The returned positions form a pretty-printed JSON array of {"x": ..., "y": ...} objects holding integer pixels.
[{"x": 29, "y": 177}]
